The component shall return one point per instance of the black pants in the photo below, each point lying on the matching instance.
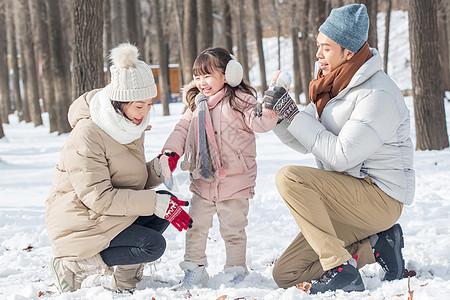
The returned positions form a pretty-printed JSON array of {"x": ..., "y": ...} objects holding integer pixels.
[{"x": 141, "y": 242}]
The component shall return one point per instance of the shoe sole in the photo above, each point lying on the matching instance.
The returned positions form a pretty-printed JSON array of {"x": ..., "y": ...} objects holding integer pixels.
[
  {"x": 353, "y": 287},
  {"x": 398, "y": 246}
]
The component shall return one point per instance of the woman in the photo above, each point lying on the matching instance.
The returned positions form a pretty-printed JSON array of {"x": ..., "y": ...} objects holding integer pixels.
[{"x": 101, "y": 211}]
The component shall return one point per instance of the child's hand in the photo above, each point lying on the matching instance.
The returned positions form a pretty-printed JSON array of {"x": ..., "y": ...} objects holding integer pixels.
[
  {"x": 258, "y": 111},
  {"x": 168, "y": 162},
  {"x": 281, "y": 79}
]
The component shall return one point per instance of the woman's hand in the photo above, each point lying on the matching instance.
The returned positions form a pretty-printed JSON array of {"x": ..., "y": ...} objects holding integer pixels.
[{"x": 174, "y": 213}]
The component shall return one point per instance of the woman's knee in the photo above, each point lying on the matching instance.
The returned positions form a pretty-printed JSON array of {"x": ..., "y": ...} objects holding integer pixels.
[{"x": 156, "y": 247}]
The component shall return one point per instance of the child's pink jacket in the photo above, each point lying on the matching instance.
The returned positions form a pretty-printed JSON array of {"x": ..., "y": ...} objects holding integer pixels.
[{"x": 236, "y": 141}]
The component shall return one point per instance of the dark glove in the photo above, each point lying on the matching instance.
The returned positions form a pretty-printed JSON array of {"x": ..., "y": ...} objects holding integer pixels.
[
  {"x": 174, "y": 213},
  {"x": 280, "y": 101},
  {"x": 258, "y": 110}
]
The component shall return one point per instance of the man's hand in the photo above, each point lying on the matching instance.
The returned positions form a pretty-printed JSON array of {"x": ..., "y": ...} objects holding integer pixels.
[{"x": 280, "y": 101}]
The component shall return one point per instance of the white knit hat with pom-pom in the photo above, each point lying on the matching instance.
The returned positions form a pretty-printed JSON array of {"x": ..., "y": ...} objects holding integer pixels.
[{"x": 131, "y": 78}]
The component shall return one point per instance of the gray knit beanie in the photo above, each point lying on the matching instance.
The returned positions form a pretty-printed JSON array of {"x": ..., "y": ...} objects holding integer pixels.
[{"x": 348, "y": 26}]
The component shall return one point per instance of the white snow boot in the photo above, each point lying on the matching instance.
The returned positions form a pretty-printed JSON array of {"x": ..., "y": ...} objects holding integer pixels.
[
  {"x": 69, "y": 275},
  {"x": 238, "y": 273},
  {"x": 193, "y": 275}
]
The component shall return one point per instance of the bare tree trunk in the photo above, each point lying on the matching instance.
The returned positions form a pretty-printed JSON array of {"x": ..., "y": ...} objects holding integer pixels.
[
  {"x": 447, "y": 14},
  {"x": 23, "y": 75},
  {"x": 179, "y": 30},
  {"x": 117, "y": 22},
  {"x": 107, "y": 40},
  {"x": 259, "y": 44},
  {"x": 443, "y": 41},
  {"x": 23, "y": 62},
  {"x": 297, "y": 82},
  {"x": 27, "y": 44},
  {"x": 34, "y": 34},
  {"x": 189, "y": 38},
  {"x": 227, "y": 26},
  {"x": 139, "y": 26},
  {"x": 278, "y": 32},
  {"x": 372, "y": 10},
  {"x": 5, "y": 101},
  {"x": 373, "y": 31},
  {"x": 386, "y": 35},
  {"x": 38, "y": 8},
  {"x": 242, "y": 40},
  {"x": 162, "y": 58},
  {"x": 316, "y": 17},
  {"x": 60, "y": 65},
  {"x": 12, "y": 50},
  {"x": 87, "y": 57},
  {"x": 205, "y": 36},
  {"x": 336, "y": 3},
  {"x": 304, "y": 54},
  {"x": 428, "y": 87},
  {"x": 2, "y": 134},
  {"x": 132, "y": 22},
  {"x": 65, "y": 9}
]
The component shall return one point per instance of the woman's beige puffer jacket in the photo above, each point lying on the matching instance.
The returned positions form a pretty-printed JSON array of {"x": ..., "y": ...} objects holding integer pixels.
[{"x": 99, "y": 187}]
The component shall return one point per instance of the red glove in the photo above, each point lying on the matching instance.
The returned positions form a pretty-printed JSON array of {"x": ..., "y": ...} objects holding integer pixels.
[
  {"x": 173, "y": 158},
  {"x": 175, "y": 214}
]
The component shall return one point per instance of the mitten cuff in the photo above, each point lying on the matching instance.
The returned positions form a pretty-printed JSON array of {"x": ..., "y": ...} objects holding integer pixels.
[
  {"x": 162, "y": 204},
  {"x": 157, "y": 167}
]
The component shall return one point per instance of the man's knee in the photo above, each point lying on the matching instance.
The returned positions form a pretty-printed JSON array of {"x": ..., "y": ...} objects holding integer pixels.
[
  {"x": 282, "y": 278},
  {"x": 283, "y": 176},
  {"x": 287, "y": 176}
]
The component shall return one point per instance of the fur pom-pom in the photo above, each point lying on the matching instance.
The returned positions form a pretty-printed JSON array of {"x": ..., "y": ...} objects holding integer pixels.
[
  {"x": 125, "y": 56},
  {"x": 184, "y": 165},
  {"x": 196, "y": 174},
  {"x": 221, "y": 173}
]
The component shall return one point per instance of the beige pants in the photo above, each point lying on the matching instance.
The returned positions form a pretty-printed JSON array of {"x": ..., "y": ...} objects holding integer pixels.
[
  {"x": 127, "y": 276},
  {"x": 336, "y": 214},
  {"x": 232, "y": 215}
]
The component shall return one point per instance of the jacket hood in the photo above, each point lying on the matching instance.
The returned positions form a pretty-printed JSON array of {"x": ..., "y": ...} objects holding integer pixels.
[
  {"x": 79, "y": 109},
  {"x": 185, "y": 89},
  {"x": 368, "y": 69}
]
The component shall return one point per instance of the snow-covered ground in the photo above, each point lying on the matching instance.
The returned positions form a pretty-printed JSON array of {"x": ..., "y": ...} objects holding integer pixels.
[{"x": 28, "y": 155}]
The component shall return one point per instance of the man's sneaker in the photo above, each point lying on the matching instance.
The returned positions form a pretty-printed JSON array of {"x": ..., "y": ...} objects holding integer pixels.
[
  {"x": 388, "y": 252},
  {"x": 238, "y": 273},
  {"x": 193, "y": 275},
  {"x": 344, "y": 277}
]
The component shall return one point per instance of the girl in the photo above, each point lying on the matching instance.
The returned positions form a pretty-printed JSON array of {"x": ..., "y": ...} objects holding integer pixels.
[
  {"x": 216, "y": 136},
  {"x": 101, "y": 211}
]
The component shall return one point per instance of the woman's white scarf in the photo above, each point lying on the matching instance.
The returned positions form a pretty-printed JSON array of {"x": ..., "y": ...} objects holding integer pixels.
[{"x": 116, "y": 125}]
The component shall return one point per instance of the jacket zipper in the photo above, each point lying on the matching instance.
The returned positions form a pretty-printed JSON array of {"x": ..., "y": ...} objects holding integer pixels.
[{"x": 241, "y": 160}]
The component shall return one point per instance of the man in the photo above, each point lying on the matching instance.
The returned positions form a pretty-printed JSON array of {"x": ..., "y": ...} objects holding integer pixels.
[{"x": 358, "y": 128}]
